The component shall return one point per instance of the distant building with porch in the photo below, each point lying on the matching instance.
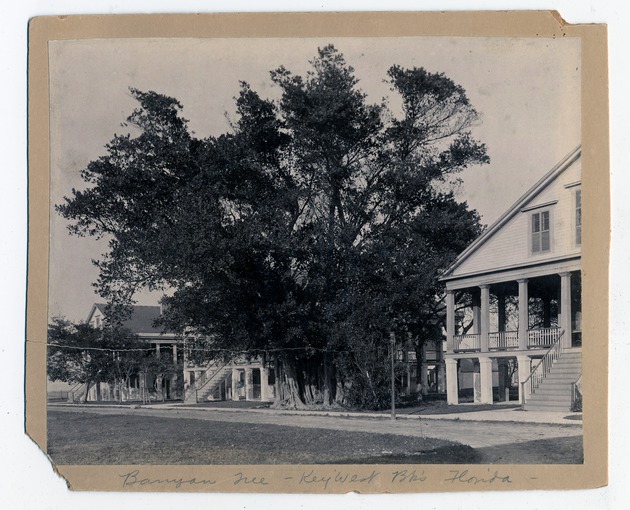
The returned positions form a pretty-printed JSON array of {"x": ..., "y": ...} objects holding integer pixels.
[
  {"x": 240, "y": 379},
  {"x": 142, "y": 386},
  {"x": 514, "y": 300}
]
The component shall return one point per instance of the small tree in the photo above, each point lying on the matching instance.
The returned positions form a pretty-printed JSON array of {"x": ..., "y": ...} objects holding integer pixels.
[{"x": 80, "y": 353}]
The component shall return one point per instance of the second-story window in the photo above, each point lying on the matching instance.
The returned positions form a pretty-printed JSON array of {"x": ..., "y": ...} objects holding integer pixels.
[{"x": 541, "y": 235}]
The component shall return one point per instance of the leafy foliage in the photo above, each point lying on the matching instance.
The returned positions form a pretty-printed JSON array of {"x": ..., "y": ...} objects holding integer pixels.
[
  {"x": 80, "y": 353},
  {"x": 317, "y": 225}
]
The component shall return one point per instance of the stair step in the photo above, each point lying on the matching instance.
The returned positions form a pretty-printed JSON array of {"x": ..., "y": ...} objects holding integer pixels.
[
  {"x": 550, "y": 409},
  {"x": 560, "y": 392},
  {"x": 550, "y": 398},
  {"x": 548, "y": 403},
  {"x": 554, "y": 386}
]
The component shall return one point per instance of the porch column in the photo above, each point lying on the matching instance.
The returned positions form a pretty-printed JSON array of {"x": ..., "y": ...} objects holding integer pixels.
[
  {"x": 523, "y": 315},
  {"x": 235, "y": 378},
  {"x": 565, "y": 308},
  {"x": 485, "y": 317},
  {"x": 157, "y": 351},
  {"x": 524, "y": 369},
  {"x": 504, "y": 383},
  {"x": 441, "y": 377},
  {"x": 485, "y": 375},
  {"x": 264, "y": 384},
  {"x": 452, "y": 397},
  {"x": 476, "y": 382},
  {"x": 450, "y": 319},
  {"x": 175, "y": 354},
  {"x": 476, "y": 311},
  {"x": 249, "y": 384}
]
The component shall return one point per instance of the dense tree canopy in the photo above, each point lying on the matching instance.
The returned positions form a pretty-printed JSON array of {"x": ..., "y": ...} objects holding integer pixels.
[{"x": 315, "y": 227}]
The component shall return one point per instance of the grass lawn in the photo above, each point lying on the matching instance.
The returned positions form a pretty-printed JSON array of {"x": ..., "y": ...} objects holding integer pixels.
[
  {"x": 85, "y": 438},
  {"x": 560, "y": 450}
]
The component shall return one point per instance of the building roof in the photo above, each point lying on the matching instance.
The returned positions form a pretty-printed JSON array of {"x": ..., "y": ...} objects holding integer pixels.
[
  {"x": 535, "y": 190},
  {"x": 141, "y": 320}
]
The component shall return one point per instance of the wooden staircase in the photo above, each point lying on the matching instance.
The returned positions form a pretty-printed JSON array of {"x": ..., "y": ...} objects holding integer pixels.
[
  {"x": 555, "y": 391},
  {"x": 209, "y": 388}
]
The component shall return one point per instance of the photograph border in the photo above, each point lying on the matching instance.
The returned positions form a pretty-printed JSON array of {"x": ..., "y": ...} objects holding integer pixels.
[{"x": 595, "y": 254}]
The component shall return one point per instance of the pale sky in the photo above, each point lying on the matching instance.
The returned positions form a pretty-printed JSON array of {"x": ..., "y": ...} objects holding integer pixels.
[{"x": 527, "y": 90}]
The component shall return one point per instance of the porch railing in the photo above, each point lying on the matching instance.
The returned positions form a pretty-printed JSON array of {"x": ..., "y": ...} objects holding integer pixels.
[
  {"x": 543, "y": 337},
  {"x": 542, "y": 369},
  {"x": 503, "y": 340},
  {"x": 470, "y": 342}
]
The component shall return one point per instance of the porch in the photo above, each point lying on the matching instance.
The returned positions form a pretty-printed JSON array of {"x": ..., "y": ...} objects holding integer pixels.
[{"x": 517, "y": 320}]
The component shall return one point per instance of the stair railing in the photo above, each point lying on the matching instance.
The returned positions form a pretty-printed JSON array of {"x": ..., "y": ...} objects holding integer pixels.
[
  {"x": 542, "y": 369},
  {"x": 73, "y": 390},
  {"x": 199, "y": 387},
  {"x": 576, "y": 394}
]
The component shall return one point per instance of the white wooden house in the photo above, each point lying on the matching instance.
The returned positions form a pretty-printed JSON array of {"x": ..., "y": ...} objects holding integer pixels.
[
  {"x": 514, "y": 298},
  {"x": 141, "y": 386},
  {"x": 241, "y": 379}
]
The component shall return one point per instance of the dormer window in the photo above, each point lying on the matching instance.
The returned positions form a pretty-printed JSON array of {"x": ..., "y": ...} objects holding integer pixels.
[{"x": 541, "y": 234}]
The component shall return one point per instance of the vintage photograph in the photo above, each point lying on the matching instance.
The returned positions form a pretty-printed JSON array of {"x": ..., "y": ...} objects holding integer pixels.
[{"x": 339, "y": 250}]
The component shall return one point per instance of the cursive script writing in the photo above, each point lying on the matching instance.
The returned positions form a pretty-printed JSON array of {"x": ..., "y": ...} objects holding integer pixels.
[
  {"x": 465, "y": 477},
  {"x": 133, "y": 479},
  {"x": 408, "y": 476},
  {"x": 241, "y": 478},
  {"x": 339, "y": 477}
]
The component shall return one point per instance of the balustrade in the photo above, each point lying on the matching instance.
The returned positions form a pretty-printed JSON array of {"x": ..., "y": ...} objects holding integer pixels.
[
  {"x": 503, "y": 340},
  {"x": 470, "y": 342},
  {"x": 542, "y": 337}
]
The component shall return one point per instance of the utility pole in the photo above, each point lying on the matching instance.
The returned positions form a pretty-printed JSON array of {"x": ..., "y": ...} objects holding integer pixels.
[{"x": 392, "y": 337}]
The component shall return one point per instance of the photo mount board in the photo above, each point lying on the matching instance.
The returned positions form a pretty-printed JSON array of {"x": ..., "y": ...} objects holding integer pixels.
[{"x": 282, "y": 478}]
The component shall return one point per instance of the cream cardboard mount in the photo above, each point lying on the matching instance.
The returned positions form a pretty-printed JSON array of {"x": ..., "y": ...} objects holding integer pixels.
[{"x": 539, "y": 248}]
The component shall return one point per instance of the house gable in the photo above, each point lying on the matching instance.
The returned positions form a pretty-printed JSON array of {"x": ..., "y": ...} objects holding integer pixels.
[
  {"x": 540, "y": 227},
  {"x": 97, "y": 315},
  {"x": 140, "y": 322}
]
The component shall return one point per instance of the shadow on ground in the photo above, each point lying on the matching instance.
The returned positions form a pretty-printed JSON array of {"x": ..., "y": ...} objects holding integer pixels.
[{"x": 560, "y": 450}]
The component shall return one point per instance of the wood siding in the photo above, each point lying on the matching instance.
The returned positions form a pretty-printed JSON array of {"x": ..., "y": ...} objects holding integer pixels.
[{"x": 511, "y": 244}]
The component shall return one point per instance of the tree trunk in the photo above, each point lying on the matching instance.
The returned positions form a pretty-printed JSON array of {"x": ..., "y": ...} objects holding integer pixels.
[
  {"x": 329, "y": 389},
  {"x": 340, "y": 394},
  {"x": 289, "y": 389},
  {"x": 87, "y": 390}
]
